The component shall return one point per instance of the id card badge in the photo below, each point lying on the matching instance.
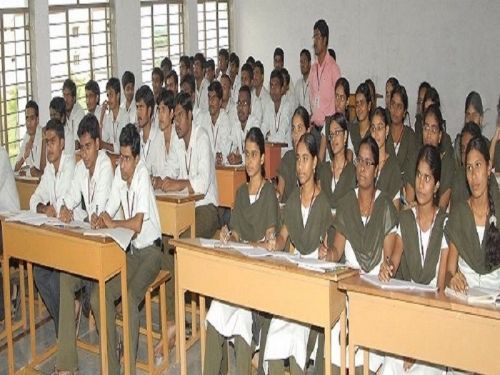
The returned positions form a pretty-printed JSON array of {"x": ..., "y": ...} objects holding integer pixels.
[{"x": 316, "y": 101}]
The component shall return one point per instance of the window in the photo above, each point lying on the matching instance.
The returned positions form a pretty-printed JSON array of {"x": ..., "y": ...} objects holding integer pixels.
[
  {"x": 213, "y": 27},
  {"x": 15, "y": 74},
  {"x": 162, "y": 34},
  {"x": 80, "y": 44}
]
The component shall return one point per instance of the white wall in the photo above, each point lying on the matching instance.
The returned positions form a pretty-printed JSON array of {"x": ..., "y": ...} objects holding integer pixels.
[{"x": 453, "y": 44}]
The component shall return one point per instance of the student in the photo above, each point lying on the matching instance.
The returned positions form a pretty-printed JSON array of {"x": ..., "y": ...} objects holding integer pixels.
[
  {"x": 401, "y": 141},
  {"x": 337, "y": 176},
  {"x": 254, "y": 218},
  {"x": 92, "y": 98},
  {"x": 277, "y": 113},
  {"x": 361, "y": 127},
  {"x": 216, "y": 124},
  {"x": 373, "y": 94},
  {"x": 323, "y": 76},
  {"x": 201, "y": 96},
  {"x": 48, "y": 199},
  {"x": 9, "y": 197},
  {"x": 239, "y": 129},
  {"x": 166, "y": 66},
  {"x": 92, "y": 181},
  {"x": 422, "y": 90},
  {"x": 74, "y": 112},
  {"x": 222, "y": 63},
  {"x": 342, "y": 93},
  {"x": 131, "y": 191},
  {"x": 287, "y": 171},
  {"x": 150, "y": 136},
  {"x": 57, "y": 112},
  {"x": 227, "y": 104},
  {"x": 422, "y": 245},
  {"x": 388, "y": 177},
  {"x": 157, "y": 79},
  {"x": 278, "y": 58},
  {"x": 433, "y": 130},
  {"x": 188, "y": 85},
  {"x": 472, "y": 227},
  {"x": 494, "y": 148},
  {"x": 113, "y": 117},
  {"x": 302, "y": 94},
  {"x": 391, "y": 83},
  {"x": 307, "y": 218},
  {"x": 288, "y": 91},
  {"x": 128, "y": 84},
  {"x": 28, "y": 159},
  {"x": 172, "y": 82},
  {"x": 196, "y": 163},
  {"x": 247, "y": 80},
  {"x": 210, "y": 70},
  {"x": 365, "y": 226},
  {"x": 259, "y": 92},
  {"x": 184, "y": 67}
]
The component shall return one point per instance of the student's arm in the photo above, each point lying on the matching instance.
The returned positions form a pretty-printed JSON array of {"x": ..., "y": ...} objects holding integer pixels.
[
  {"x": 322, "y": 147},
  {"x": 409, "y": 194},
  {"x": 35, "y": 172},
  {"x": 134, "y": 223},
  {"x": 280, "y": 188},
  {"x": 40, "y": 196},
  {"x": 279, "y": 242},
  {"x": 169, "y": 184},
  {"x": 393, "y": 250},
  {"x": 200, "y": 180},
  {"x": 43, "y": 153},
  {"x": 337, "y": 250},
  {"x": 441, "y": 276},
  {"x": 72, "y": 198},
  {"x": 493, "y": 144},
  {"x": 444, "y": 199},
  {"x": 454, "y": 278}
]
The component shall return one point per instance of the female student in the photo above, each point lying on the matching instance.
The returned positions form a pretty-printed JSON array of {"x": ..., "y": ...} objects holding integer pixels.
[
  {"x": 361, "y": 127},
  {"x": 472, "y": 228},
  {"x": 364, "y": 231},
  {"x": 307, "y": 218},
  {"x": 391, "y": 83},
  {"x": 254, "y": 218},
  {"x": 388, "y": 178},
  {"x": 401, "y": 141},
  {"x": 422, "y": 90},
  {"x": 342, "y": 93},
  {"x": 433, "y": 131},
  {"x": 337, "y": 176},
  {"x": 423, "y": 246},
  {"x": 287, "y": 172}
]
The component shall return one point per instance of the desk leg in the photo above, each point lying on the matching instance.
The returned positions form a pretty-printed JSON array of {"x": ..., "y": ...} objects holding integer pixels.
[
  {"x": 366, "y": 361},
  {"x": 343, "y": 359},
  {"x": 31, "y": 304},
  {"x": 181, "y": 321},
  {"x": 328, "y": 349},
  {"x": 352, "y": 353},
  {"x": 8, "y": 308},
  {"x": 125, "y": 314},
  {"x": 104, "y": 332},
  {"x": 22, "y": 288},
  {"x": 203, "y": 331},
  {"x": 177, "y": 317}
]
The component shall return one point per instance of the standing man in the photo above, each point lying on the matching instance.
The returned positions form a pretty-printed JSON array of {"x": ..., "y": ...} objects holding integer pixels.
[{"x": 302, "y": 92}]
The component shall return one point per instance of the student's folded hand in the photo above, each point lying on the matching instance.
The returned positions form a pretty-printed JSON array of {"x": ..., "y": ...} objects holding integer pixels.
[
  {"x": 386, "y": 271},
  {"x": 408, "y": 363},
  {"x": 234, "y": 159},
  {"x": 458, "y": 282},
  {"x": 225, "y": 234},
  {"x": 94, "y": 221},
  {"x": 106, "y": 220},
  {"x": 50, "y": 211},
  {"x": 65, "y": 215}
]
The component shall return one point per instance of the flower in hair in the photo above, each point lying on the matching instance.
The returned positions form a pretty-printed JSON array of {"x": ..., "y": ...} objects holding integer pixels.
[{"x": 493, "y": 220}]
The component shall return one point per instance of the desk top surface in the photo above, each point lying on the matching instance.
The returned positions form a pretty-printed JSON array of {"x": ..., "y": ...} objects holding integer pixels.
[
  {"x": 235, "y": 168},
  {"x": 173, "y": 198}
]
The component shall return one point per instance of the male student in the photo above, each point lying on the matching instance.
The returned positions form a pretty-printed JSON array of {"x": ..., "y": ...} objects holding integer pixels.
[
  {"x": 113, "y": 117},
  {"x": 9, "y": 198},
  {"x": 128, "y": 84},
  {"x": 247, "y": 80},
  {"x": 28, "y": 159},
  {"x": 210, "y": 70},
  {"x": 172, "y": 82},
  {"x": 74, "y": 111},
  {"x": 302, "y": 94},
  {"x": 227, "y": 104},
  {"x": 184, "y": 67},
  {"x": 259, "y": 92},
  {"x": 222, "y": 63},
  {"x": 92, "y": 181},
  {"x": 150, "y": 135},
  {"x": 166, "y": 66},
  {"x": 234, "y": 68},
  {"x": 48, "y": 199},
  {"x": 157, "y": 79},
  {"x": 131, "y": 191},
  {"x": 216, "y": 124},
  {"x": 188, "y": 85},
  {"x": 278, "y": 58},
  {"x": 92, "y": 98},
  {"x": 277, "y": 113},
  {"x": 201, "y": 97}
]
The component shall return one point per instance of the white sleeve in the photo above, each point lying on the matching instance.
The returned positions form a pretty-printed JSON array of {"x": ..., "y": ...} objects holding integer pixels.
[
  {"x": 42, "y": 192},
  {"x": 103, "y": 189},
  {"x": 65, "y": 184},
  {"x": 114, "y": 201},
  {"x": 72, "y": 197},
  {"x": 204, "y": 173}
]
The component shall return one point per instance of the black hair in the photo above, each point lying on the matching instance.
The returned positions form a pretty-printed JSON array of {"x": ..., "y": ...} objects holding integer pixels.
[
  {"x": 372, "y": 143},
  {"x": 128, "y": 77},
  {"x": 286, "y": 76},
  {"x": 201, "y": 59},
  {"x": 474, "y": 100},
  {"x": 225, "y": 76},
  {"x": 166, "y": 63},
  {"x": 185, "y": 60},
  {"x": 491, "y": 234},
  {"x": 114, "y": 84},
  {"x": 216, "y": 87},
  {"x": 373, "y": 94},
  {"x": 247, "y": 68},
  {"x": 322, "y": 27},
  {"x": 234, "y": 59},
  {"x": 184, "y": 100},
  {"x": 167, "y": 98},
  {"x": 224, "y": 53},
  {"x": 380, "y": 111},
  {"x": 246, "y": 89},
  {"x": 189, "y": 79},
  {"x": 56, "y": 127},
  {"x": 364, "y": 89},
  {"x": 129, "y": 136},
  {"x": 340, "y": 119},
  {"x": 401, "y": 91},
  {"x": 58, "y": 105},
  {"x": 145, "y": 94},
  {"x": 251, "y": 61},
  {"x": 210, "y": 64},
  {"x": 70, "y": 85},
  {"x": 93, "y": 86},
  {"x": 32, "y": 104},
  {"x": 312, "y": 147},
  {"x": 393, "y": 81},
  {"x": 471, "y": 128},
  {"x": 173, "y": 74},
  {"x": 434, "y": 110},
  {"x": 345, "y": 85},
  {"x": 278, "y": 51},
  {"x": 433, "y": 95},
  {"x": 157, "y": 71},
  {"x": 306, "y": 53},
  {"x": 424, "y": 85},
  {"x": 89, "y": 124},
  {"x": 430, "y": 154},
  {"x": 255, "y": 135},
  {"x": 304, "y": 115},
  {"x": 276, "y": 73},
  {"x": 332, "y": 53},
  {"x": 258, "y": 64}
]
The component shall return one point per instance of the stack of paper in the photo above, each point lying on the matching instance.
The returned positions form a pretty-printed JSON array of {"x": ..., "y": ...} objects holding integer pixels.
[
  {"x": 174, "y": 194},
  {"x": 476, "y": 295},
  {"x": 394, "y": 284},
  {"x": 122, "y": 236},
  {"x": 29, "y": 217},
  {"x": 316, "y": 264}
]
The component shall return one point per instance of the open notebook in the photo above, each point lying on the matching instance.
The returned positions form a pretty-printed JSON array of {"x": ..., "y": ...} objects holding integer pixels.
[
  {"x": 476, "y": 295},
  {"x": 394, "y": 284}
]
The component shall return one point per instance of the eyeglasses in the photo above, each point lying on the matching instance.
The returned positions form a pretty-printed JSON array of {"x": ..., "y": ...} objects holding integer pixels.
[
  {"x": 335, "y": 133},
  {"x": 366, "y": 163},
  {"x": 432, "y": 129}
]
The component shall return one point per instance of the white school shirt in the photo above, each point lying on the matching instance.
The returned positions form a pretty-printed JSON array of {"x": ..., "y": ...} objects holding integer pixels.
[
  {"x": 262, "y": 100},
  {"x": 151, "y": 147},
  {"x": 96, "y": 113},
  {"x": 302, "y": 94},
  {"x": 138, "y": 198},
  {"x": 238, "y": 134},
  {"x": 201, "y": 95},
  {"x": 95, "y": 190},
  {"x": 9, "y": 197},
  {"x": 235, "y": 89},
  {"x": 69, "y": 140},
  {"x": 196, "y": 164},
  {"x": 131, "y": 111},
  {"x": 112, "y": 128},
  {"x": 219, "y": 134},
  {"x": 290, "y": 98},
  {"x": 278, "y": 125},
  {"x": 231, "y": 112},
  {"x": 74, "y": 118},
  {"x": 162, "y": 164},
  {"x": 53, "y": 186},
  {"x": 257, "y": 109},
  {"x": 33, "y": 160}
]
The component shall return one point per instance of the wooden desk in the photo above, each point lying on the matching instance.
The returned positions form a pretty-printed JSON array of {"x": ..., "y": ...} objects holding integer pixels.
[
  {"x": 424, "y": 326},
  {"x": 25, "y": 188},
  {"x": 272, "y": 158},
  {"x": 229, "y": 179},
  {"x": 69, "y": 251},
  {"x": 277, "y": 287}
]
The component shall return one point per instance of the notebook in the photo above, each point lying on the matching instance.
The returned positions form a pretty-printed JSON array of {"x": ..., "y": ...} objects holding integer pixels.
[{"x": 476, "y": 295}]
